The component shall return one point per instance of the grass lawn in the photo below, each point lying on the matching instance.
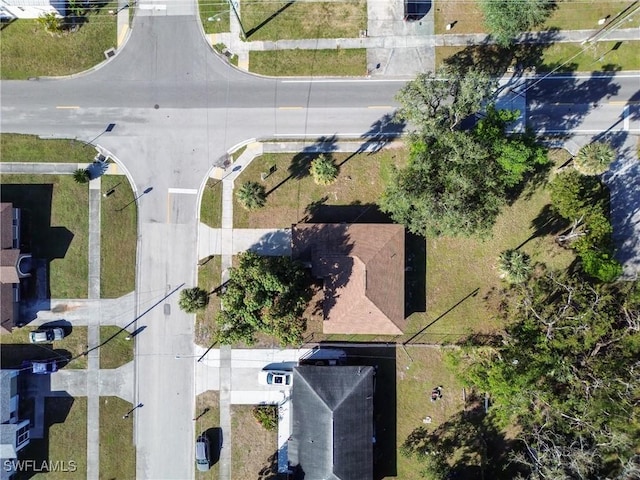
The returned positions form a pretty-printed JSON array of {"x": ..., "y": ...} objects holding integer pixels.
[
  {"x": 65, "y": 440},
  {"x": 569, "y": 15},
  {"x": 599, "y": 57},
  {"x": 117, "y": 451},
  {"x": 118, "y": 350},
  {"x": 293, "y": 191},
  {"x": 284, "y": 20},
  {"x": 209, "y": 277},
  {"x": 219, "y": 12},
  {"x": 211, "y": 206},
  {"x": 16, "y": 348},
  {"x": 208, "y": 419},
  {"x": 56, "y": 221},
  {"x": 27, "y": 50},
  {"x": 29, "y": 148},
  {"x": 306, "y": 63},
  {"x": 418, "y": 371},
  {"x": 118, "y": 238},
  {"x": 253, "y": 449},
  {"x": 464, "y": 270}
]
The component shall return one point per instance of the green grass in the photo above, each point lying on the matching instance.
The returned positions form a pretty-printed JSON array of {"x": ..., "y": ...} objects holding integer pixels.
[
  {"x": 360, "y": 181},
  {"x": 457, "y": 268},
  {"x": 56, "y": 212},
  {"x": 65, "y": 439},
  {"x": 569, "y": 15},
  {"x": 418, "y": 371},
  {"x": 209, "y": 278},
  {"x": 211, "y": 206},
  {"x": 27, "y": 50},
  {"x": 209, "y": 401},
  {"x": 568, "y": 56},
  {"x": 117, "y": 451},
  {"x": 29, "y": 148},
  {"x": 118, "y": 350},
  {"x": 220, "y": 11},
  {"x": 280, "y": 20},
  {"x": 118, "y": 238},
  {"x": 16, "y": 348},
  {"x": 342, "y": 62},
  {"x": 599, "y": 57}
]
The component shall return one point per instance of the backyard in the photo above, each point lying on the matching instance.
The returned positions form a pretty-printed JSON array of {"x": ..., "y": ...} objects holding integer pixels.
[{"x": 28, "y": 50}]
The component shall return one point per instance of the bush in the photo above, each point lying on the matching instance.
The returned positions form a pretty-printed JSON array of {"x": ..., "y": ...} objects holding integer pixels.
[
  {"x": 252, "y": 195},
  {"x": 81, "y": 175},
  {"x": 323, "y": 170},
  {"x": 267, "y": 416},
  {"x": 601, "y": 266}
]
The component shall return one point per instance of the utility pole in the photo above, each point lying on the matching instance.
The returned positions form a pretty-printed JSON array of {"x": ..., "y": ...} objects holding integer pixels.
[{"x": 235, "y": 6}]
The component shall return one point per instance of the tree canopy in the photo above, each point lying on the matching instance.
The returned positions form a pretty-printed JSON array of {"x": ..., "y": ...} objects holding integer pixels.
[
  {"x": 456, "y": 181},
  {"x": 506, "y": 19},
  {"x": 193, "y": 300},
  {"x": 264, "y": 294}
]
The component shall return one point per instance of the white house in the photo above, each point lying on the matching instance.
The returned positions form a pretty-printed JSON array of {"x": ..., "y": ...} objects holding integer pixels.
[{"x": 11, "y": 9}]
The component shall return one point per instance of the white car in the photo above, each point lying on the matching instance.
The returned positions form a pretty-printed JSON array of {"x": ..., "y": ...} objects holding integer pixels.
[
  {"x": 47, "y": 335},
  {"x": 275, "y": 378}
]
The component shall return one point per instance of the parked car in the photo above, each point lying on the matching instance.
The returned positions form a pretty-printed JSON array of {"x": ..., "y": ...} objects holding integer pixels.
[
  {"x": 46, "y": 335},
  {"x": 202, "y": 453},
  {"x": 41, "y": 367},
  {"x": 275, "y": 378}
]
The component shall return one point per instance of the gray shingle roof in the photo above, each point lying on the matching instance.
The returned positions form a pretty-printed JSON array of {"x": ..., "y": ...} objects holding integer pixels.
[{"x": 332, "y": 422}]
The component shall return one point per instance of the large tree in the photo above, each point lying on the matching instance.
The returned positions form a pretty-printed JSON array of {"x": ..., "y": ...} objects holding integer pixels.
[
  {"x": 264, "y": 294},
  {"x": 442, "y": 99},
  {"x": 506, "y": 19},
  {"x": 567, "y": 375},
  {"x": 456, "y": 181}
]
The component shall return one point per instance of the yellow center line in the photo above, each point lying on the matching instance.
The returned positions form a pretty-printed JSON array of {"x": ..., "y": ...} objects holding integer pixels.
[{"x": 290, "y": 108}]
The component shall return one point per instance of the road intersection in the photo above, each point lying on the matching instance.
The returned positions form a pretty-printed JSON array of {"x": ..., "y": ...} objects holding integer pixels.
[{"x": 178, "y": 109}]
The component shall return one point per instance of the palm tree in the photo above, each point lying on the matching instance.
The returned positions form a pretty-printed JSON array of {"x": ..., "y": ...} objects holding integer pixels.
[
  {"x": 323, "y": 170},
  {"x": 51, "y": 22},
  {"x": 594, "y": 159},
  {"x": 193, "y": 299},
  {"x": 251, "y": 195},
  {"x": 514, "y": 266},
  {"x": 81, "y": 175}
]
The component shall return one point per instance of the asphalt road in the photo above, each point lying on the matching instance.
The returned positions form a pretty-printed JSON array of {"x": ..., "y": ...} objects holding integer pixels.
[{"x": 178, "y": 109}]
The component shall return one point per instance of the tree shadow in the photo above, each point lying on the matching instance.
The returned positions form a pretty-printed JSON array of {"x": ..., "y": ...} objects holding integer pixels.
[
  {"x": 467, "y": 445},
  {"x": 559, "y": 105},
  {"x": 253, "y": 30},
  {"x": 415, "y": 277},
  {"x": 326, "y": 248},
  {"x": 301, "y": 162},
  {"x": 547, "y": 222},
  {"x": 320, "y": 212}
]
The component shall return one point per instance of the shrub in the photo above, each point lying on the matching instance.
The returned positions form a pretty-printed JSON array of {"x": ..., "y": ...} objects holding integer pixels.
[
  {"x": 267, "y": 416},
  {"x": 594, "y": 159},
  {"x": 514, "y": 266},
  {"x": 601, "y": 266},
  {"x": 251, "y": 195},
  {"x": 323, "y": 170},
  {"x": 81, "y": 175}
]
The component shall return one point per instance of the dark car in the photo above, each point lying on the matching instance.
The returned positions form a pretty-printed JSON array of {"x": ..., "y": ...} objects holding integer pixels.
[
  {"x": 41, "y": 367},
  {"x": 416, "y": 9}
]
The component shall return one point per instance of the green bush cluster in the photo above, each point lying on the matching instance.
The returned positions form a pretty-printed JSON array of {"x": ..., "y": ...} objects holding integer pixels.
[
  {"x": 267, "y": 416},
  {"x": 584, "y": 200}
]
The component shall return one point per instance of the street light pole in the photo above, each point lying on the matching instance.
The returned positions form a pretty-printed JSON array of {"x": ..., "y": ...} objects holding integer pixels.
[
  {"x": 126, "y": 415},
  {"x": 132, "y": 201},
  {"x": 235, "y": 11}
]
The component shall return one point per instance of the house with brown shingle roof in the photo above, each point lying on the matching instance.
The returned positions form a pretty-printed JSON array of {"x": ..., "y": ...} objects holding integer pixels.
[
  {"x": 11, "y": 266},
  {"x": 362, "y": 267}
]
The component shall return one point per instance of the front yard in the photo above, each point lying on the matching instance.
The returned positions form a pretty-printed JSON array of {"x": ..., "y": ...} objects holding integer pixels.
[
  {"x": 253, "y": 449},
  {"x": 28, "y": 50}
]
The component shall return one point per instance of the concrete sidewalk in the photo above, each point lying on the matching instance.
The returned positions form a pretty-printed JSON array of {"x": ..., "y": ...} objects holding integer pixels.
[{"x": 264, "y": 241}]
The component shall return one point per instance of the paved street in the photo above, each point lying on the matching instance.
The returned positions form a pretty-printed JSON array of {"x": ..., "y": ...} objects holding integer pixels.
[{"x": 178, "y": 109}]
